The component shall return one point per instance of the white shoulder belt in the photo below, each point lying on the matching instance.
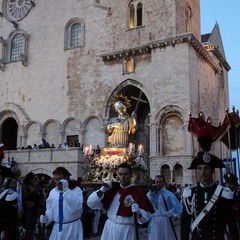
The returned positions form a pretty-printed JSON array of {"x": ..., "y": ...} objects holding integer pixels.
[
  {"x": 3, "y": 193},
  {"x": 207, "y": 208}
]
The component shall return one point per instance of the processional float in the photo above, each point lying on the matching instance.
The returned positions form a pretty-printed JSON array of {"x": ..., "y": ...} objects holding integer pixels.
[{"x": 103, "y": 165}]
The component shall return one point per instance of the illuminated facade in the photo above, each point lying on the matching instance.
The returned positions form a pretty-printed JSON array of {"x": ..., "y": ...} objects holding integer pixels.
[{"x": 62, "y": 64}]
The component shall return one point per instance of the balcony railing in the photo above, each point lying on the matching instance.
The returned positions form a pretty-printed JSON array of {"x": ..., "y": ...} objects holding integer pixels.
[{"x": 46, "y": 160}]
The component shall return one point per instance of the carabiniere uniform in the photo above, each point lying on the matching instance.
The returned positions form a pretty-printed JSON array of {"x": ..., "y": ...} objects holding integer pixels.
[
  {"x": 213, "y": 225},
  {"x": 207, "y": 210}
]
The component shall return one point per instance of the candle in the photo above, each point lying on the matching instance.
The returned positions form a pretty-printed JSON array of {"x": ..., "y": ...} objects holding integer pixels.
[
  {"x": 86, "y": 149},
  {"x": 130, "y": 148},
  {"x": 90, "y": 149},
  {"x": 140, "y": 149}
]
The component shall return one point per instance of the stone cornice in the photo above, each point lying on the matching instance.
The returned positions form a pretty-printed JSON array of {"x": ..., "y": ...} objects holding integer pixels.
[
  {"x": 212, "y": 48},
  {"x": 183, "y": 38}
]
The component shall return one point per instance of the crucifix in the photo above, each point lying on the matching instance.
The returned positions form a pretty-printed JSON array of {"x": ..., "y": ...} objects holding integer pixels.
[{"x": 139, "y": 99}]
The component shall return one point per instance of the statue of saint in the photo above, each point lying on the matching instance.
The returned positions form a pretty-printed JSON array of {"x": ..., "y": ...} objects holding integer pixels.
[{"x": 120, "y": 127}]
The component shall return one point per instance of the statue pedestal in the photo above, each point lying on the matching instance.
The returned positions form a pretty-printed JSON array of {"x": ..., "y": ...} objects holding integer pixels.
[{"x": 104, "y": 165}]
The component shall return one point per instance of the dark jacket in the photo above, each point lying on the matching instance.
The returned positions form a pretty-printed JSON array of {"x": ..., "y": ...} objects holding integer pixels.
[{"x": 213, "y": 225}]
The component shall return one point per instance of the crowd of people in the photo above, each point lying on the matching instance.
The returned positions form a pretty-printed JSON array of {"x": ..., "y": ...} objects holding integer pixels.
[
  {"x": 66, "y": 209},
  {"x": 44, "y": 144}
]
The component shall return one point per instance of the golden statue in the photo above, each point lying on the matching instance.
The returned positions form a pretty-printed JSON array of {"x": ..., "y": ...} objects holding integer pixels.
[
  {"x": 120, "y": 127},
  {"x": 119, "y": 150}
]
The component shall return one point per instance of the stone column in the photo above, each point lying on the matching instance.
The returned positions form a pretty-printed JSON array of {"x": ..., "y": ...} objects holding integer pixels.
[
  {"x": 22, "y": 139},
  {"x": 80, "y": 136},
  {"x": 61, "y": 136},
  {"x": 153, "y": 139},
  {"x": 160, "y": 137}
]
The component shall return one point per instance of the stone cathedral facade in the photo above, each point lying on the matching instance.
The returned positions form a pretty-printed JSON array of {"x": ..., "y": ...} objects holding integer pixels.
[{"x": 62, "y": 63}]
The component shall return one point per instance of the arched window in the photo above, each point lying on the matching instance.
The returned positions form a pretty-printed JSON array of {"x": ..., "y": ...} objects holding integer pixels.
[
  {"x": 17, "y": 45},
  {"x": 128, "y": 65},
  {"x": 188, "y": 19},
  {"x": 74, "y": 33},
  {"x": 135, "y": 14},
  {"x": 132, "y": 16},
  {"x": 139, "y": 14}
]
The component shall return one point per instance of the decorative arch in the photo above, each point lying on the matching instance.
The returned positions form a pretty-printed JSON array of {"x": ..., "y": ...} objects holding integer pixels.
[
  {"x": 93, "y": 131},
  {"x": 178, "y": 173},
  {"x": 14, "y": 111},
  {"x": 120, "y": 87},
  {"x": 166, "y": 172},
  {"x": 79, "y": 125},
  {"x": 42, "y": 171},
  {"x": 89, "y": 118},
  {"x": 171, "y": 131},
  {"x": 32, "y": 133},
  {"x": 71, "y": 131},
  {"x": 51, "y": 132},
  {"x": 171, "y": 109},
  {"x": 8, "y": 114}
]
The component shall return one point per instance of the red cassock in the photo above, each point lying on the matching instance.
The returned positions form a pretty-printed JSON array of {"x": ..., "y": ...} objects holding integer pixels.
[{"x": 137, "y": 194}]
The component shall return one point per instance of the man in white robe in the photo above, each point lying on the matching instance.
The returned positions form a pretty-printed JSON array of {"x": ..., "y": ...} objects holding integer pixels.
[
  {"x": 167, "y": 207},
  {"x": 67, "y": 223}
]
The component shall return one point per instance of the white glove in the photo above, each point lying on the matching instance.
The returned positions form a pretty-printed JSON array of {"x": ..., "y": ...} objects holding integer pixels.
[
  {"x": 135, "y": 208},
  {"x": 64, "y": 185},
  {"x": 43, "y": 219},
  {"x": 168, "y": 214},
  {"x": 106, "y": 186}
]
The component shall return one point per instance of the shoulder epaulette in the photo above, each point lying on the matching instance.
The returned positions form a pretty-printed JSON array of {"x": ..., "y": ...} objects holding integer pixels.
[{"x": 227, "y": 193}]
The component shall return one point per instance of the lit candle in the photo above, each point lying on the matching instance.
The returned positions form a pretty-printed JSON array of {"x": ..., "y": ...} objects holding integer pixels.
[
  {"x": 130, "y": 148},
  {"x": 86, "y": 149},
  {"x": 90, "y": 149},
  {"x": 140, "y": 149},
  {"x": 133, "y": 148}
]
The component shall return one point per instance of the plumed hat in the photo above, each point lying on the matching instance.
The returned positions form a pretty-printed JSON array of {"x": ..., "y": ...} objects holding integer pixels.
[
  {"x": 230, "y": 177},
  {"x": 6, "y": 172},
  {"x": 205, "y": 158},
  {"x": 205, "y": 139}
]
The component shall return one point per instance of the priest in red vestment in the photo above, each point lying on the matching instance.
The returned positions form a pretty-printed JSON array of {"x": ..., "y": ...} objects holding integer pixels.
[{"x": 122, "y": 202}]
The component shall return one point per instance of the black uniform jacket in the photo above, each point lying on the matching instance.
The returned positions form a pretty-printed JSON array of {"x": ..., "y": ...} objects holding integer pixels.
[{"x": 213, "y": 225}]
